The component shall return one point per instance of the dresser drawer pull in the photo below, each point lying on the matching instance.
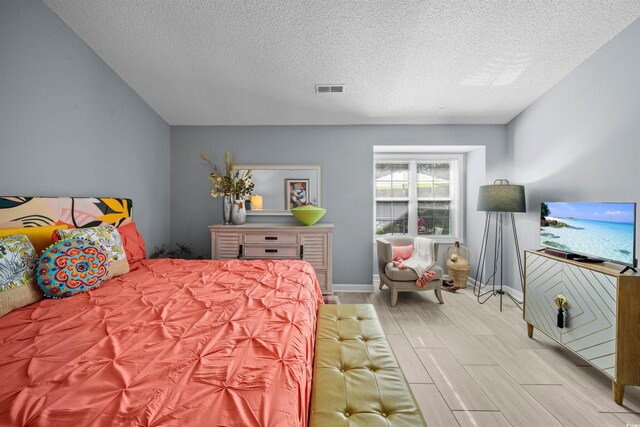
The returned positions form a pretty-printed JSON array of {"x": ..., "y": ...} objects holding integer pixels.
[
  {"x": 271, "y": 238},
  {"x": 271, "y": 251},
  {"x": 240, "y": 255}
]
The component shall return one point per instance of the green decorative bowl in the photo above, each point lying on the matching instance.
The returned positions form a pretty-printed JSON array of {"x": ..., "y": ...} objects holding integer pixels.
[{"x": 308, "y": 214}]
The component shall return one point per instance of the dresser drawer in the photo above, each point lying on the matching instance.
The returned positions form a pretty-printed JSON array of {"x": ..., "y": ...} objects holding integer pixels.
[
  {"x": 270, "y": 252},
  {"x": 274, "y": 237}
]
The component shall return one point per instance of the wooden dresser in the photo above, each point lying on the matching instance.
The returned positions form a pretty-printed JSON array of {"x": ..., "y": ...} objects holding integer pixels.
[
  {"x": 602, "y": 321},
  {"x": 277, "y": 241}
]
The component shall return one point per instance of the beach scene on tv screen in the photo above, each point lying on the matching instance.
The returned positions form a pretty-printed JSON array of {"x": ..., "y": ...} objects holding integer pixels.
[{"x": 602, "y": 230}]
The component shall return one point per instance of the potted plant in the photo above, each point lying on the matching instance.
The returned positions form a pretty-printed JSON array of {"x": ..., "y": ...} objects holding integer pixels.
[{"x": 232, "y": 185}]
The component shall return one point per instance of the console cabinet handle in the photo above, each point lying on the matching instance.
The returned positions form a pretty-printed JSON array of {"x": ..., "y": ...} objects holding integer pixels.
[
  {"x": 240, "y": 252},
  {"x": 301, "y": 251},
  {"x": 271, "y": 238},
  {"x": 271, "y": 251}
]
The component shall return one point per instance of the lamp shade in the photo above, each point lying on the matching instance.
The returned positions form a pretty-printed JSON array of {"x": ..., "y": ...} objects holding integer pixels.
[
  {"x": 502, "y": 198},
  {"x": 256, "y": 201}
]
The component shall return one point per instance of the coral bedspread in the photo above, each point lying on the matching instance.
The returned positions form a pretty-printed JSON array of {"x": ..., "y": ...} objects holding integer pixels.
[{"x": 173, "y": 342}]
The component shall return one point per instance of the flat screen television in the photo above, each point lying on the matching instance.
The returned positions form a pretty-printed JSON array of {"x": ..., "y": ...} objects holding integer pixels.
[{"x": 601, "y": 231}]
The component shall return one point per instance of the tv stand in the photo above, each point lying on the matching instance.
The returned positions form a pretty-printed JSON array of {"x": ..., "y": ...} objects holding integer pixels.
[{"x": 602, "y": 317}]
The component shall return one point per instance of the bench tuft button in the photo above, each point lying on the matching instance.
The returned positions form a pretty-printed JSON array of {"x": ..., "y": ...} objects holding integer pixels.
[
  {"x": 384, "y": 414},
  {"x": 346, "y": 414}
]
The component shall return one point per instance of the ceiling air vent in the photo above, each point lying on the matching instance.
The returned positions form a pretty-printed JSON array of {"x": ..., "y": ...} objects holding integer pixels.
[{"x": 329, "y": 88}]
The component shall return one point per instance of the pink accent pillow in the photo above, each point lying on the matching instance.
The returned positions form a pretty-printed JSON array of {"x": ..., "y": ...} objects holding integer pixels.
[
  {"x": 403, "y": 252},
  {"x": 133, "y": 242}
]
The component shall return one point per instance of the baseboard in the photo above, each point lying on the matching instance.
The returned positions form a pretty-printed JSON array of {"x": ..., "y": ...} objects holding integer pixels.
[
  {"x": 517, "y": 294},
  {"x": 342, "y": 287}
]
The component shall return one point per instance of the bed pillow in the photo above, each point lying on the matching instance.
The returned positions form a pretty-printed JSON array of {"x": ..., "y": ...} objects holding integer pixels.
[
  {"x": 40, "y": 237},
  {"x": 403, "y": 252},
  {"x": 71, "y": 266},
  {"x": 133, "y": 242},
  {"x": 17, "y": 273},
  {"x": 109, "y": 239}
]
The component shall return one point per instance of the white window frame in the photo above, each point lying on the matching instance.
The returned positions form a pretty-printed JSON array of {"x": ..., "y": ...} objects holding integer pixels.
[{"x": 456, "y": 187}]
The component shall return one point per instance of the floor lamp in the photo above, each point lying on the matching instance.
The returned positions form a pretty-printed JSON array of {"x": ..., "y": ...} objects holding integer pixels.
[{"x": 498, "y": 201}]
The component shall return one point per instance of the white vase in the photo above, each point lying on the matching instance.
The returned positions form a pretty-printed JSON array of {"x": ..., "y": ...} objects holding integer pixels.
[{"x": 238, "y": 211}]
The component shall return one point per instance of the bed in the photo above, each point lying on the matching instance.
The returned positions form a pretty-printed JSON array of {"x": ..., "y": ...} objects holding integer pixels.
[{"x": 172, "y": 342}]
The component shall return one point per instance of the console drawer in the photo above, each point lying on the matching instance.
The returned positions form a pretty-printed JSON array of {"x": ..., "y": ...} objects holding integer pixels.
[
  {"x": 271, "y": 252},
  {"x": 275, "y": 238}
]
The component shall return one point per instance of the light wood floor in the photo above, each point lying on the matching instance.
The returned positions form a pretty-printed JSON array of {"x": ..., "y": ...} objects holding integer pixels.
[{"x": 470, "y": 365}]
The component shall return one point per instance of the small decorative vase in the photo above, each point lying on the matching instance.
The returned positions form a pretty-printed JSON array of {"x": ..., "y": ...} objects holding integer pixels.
[
  {"x": 226, "y": 208},
  {"x": 238, "y": 212}
]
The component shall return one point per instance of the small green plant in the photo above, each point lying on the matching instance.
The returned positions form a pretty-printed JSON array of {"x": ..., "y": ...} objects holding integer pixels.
[{"x": 181, "y": 251}]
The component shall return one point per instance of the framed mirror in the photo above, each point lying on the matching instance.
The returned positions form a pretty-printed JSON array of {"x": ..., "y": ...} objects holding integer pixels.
[{"x": 279, "y": 187}]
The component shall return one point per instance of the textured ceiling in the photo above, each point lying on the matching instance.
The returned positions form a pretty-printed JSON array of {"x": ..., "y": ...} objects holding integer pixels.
[{"x": 257, "y": 62}]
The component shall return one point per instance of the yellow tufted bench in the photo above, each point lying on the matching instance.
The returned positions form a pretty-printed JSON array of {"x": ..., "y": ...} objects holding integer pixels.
[{"x": 356, "y": 378}]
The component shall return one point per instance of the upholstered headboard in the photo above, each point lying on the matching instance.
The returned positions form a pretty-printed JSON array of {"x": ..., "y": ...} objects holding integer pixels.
[{"x": 77, "y": 212}]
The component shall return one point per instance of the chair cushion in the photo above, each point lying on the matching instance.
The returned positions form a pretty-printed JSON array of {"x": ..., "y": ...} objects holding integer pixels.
[{"x": 408, "y": 274}]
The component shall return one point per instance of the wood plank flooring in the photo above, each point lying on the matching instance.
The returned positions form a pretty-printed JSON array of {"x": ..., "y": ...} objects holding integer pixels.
[{"x": 471, "y": 365}]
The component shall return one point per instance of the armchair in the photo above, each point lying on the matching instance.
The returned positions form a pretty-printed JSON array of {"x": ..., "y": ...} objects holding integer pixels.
[{"x": 403, "y": 280}]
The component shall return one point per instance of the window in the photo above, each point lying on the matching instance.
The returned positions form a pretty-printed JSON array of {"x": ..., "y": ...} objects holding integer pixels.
[{"x": 419, "y": 195}]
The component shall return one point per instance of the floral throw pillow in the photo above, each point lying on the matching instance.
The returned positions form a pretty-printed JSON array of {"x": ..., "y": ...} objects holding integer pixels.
[
  {"x": 18, "y": 260},
  {"x": 108, "y": 238}
]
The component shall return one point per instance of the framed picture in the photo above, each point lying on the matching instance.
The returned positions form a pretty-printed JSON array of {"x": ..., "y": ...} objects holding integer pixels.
[{"x": 296, "y": 193}]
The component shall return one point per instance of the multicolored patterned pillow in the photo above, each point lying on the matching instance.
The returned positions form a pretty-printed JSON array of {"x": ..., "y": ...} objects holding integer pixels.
[
  {"x": 106, "y": 237},
  {"x": 71, "y": 266},
  {"x": 18, "y": 260}
]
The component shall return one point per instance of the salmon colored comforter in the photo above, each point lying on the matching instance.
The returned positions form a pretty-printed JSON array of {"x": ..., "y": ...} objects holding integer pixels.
[{"x": 174, "y": 342}]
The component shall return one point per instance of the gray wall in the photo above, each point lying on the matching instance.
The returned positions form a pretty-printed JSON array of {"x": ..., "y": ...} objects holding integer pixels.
[
  {"x": 346, "y": 155},
  {"x": 581, "y": 140},
  {"x": 69, "y": 125}
]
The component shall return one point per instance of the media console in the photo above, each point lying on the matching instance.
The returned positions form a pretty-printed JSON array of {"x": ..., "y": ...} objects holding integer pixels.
[{"x": 602, "y": 318}]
